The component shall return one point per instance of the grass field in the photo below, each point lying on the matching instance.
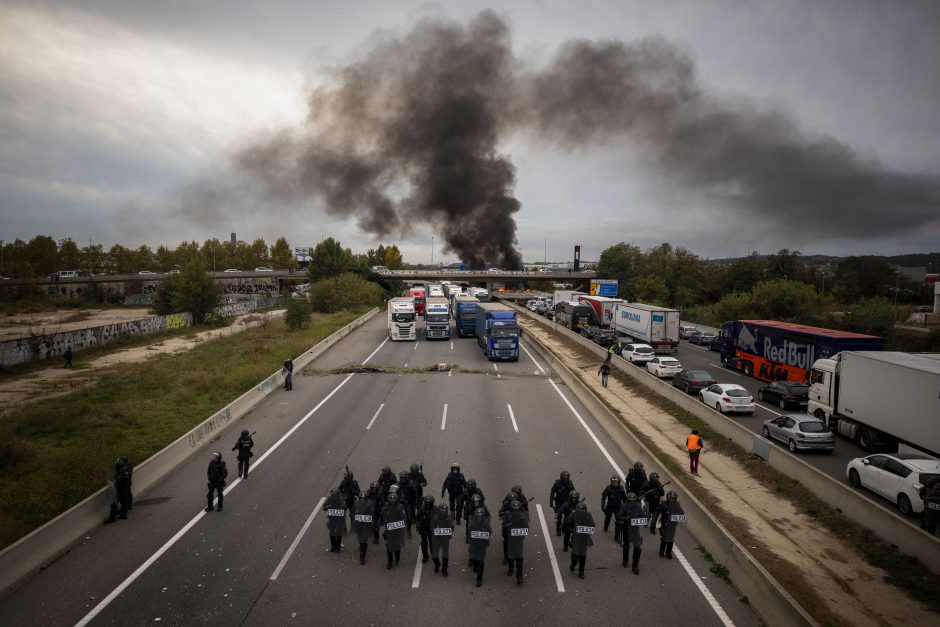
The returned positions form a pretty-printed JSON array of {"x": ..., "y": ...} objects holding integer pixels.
[{"x": 56, "y": 452}]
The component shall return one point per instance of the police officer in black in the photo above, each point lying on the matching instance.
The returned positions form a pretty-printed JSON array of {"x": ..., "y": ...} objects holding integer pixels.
[
  {"x": 394, "y": 519},
  {"x": 363, "y": 523},
  {"x": 670, "y": 514},
  {"x": 386, "y": 480},
  {"x": 243, "y": 445},
  {"x": 409, "y": 497},
  {"x": 515, "y": 530},
  {"x": 420, "y": 482},
  {"x": 423, "y": 523},
  {"x": 375, "y": 497},
  {"x": 636, "y": 476},
  {"x": 216, "y": 474},
  {"x": 479, "y": 527},
  {"x": 561, "y": 514},
  {"x": 633, "y": 520},
  {"x": 474, "y": 503},
  {"x": 288, "y": 372},
  {"x": 612, "y": 498},
  {"x": 335, "y": 508},
  {"x": 349, "y": 489},
  {"x": 651, "y": 493},
  {"x": 472, "y": 490},
  {"x": 456, "y": 486},
  {"x": 579, "y": 525},
  {"x": 515, "y": 494},
  {"x": 559, "y": 495},
  {"x": 121, "y": 497}
]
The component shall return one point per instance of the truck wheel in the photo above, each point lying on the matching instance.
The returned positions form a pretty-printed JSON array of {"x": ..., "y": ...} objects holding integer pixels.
[
  {"x": 760, "y": 395},
  {"x": 866, "y": 439},
  {"x": 782, "y": 404},
  {"x": 748, "y": 368},
  {"x": 904, "y": 505},
  {"x": 854, "y": 479}
]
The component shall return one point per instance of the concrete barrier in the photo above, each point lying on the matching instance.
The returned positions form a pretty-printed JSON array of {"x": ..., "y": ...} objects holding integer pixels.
[
  {"x": 45, "y": 544},
  {"x": 887, "y": 524},
  {"x": 765, "y": 595}
]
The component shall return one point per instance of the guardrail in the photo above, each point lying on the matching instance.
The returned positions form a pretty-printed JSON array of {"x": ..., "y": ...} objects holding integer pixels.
[
  {"x": 48, "y": 542},
  {"x": 887, "y": 524},
  {"x": 764, "y": 593}
]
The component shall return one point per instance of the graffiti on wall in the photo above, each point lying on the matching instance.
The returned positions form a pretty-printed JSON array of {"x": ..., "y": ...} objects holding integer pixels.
[
  {"x": 40, "y": 347},
  {"x": 217, "y": 422}
]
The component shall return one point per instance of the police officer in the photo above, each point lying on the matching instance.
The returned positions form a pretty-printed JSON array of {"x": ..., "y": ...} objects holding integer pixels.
[
  {"x": 335, "y": 508},
  {"x": 288, "y": 372},
  {"x": 216, "y": 474},
  {"x": 386, "y": 480},
  {"x": 127, "y": 472},
  {"x": 243, "y": 445},
  {"x": 931, "y": 499},
  {"x": 375, "y": 497},
  {"x": 480, "y": 531},
  {"x": 636, "y": 476},
  {"x": 473, "y": 504},
  {"x": 633, "y": 519},
  {"x": 516, "y": 528},
  {"x": 120, "y": 490},
  {"x": 561, "y": 514},
  {"x": 670, "y": 514},
  {"x": 580, "y": 526},
  {"x": 423, "y": 520},
  {"x": 420, "y": 482},
  {"x": 515, "y": 494},
  {"x": 559, "y": 493},
  {"x": 442, "y": 529},
  {"x": 409, "y": 497},
  {"x": 472, "y": 490},
  {"x": 363, "y": 523},
  {"x": 455, "y": 485},
  {"x": 349, "y": 489},
  {"x": 611, "y": 499},
  {"x": 394, "y": 518},
  {"x": 652, "y": 492}
]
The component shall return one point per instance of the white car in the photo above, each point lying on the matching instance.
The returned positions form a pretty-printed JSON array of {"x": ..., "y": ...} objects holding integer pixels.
[
  {"x": 263, "y": 269},
  {"x": 896, "y": 476},
  {"x": 664, "y": 367},
  {"x": 638, "y": 353},
  {"x": 233, "y": 270},
  {"x": 727, "y": 397},
  {"x": 145, "y": 273}
]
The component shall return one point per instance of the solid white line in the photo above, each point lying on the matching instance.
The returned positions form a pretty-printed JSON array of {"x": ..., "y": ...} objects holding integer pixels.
[
  {"x": 551, "y": 549},
  {"x": 737, "y": 374},
  {"x": 416, "y": 580},
  {"x": 374, "y": 352},
  {"x": 588, "y": 429},
  {"x": 369, "y": 426},
  {"x": 767, "y": 409},
  {"x": 537, "y": 364},
  {"x": 300, "y": 534},
  {"x": 179, "y": 534},
  {"x": 712, "y": 601},
  {"x": 444, "y": 419},
  {"x": 451, "y": 346},
  {"x": 513, "y": 417}
]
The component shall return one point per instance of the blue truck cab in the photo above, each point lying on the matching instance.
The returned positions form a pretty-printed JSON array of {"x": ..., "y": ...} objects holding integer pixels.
[
  {"x": 497, "y": 331},
  {"x": 465, "y": 315}
]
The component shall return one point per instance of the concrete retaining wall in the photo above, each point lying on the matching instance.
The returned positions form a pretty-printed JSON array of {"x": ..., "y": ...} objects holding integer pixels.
[
  {"x": 887, "y": 524},
  {"x": 45, "y": 544}
]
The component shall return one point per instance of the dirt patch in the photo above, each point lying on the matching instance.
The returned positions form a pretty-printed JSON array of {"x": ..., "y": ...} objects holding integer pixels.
[{"x": 827, "y": 576}]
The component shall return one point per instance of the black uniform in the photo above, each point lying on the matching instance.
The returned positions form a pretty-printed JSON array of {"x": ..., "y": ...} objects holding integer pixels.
[
  {"x": 216, "y": 474},
  {"x": 931, "y": 499},
  {"x": 375, "y": 497},
  {"x": 386, "y": 480},
  {"x": 480, "y": 531},
  {"x": 121, "y": 497},
  {"x": 580, "y": 526},
  {"x": 635, "y": 479},
  {"x": 288, "y": 372},
  {"x": 468, "y": 501},
  {"x": 409, "y": 498},
  {"x": 442, "y": 530},
  {"x": 515, "y": 529},
  {"x": 363, "y": 524},
  {"x": 669, "y": 514},
  {"x": 455, "y": 485},
  {"x": 349, "y": 489},
  {"x": 652, "y": 492},
  {"x": 243, "y": 445},
  {"x": 472, "y": 505},
  {"x": 420, "y": 482},
  {"x": 559, "y": 493},
  {"x": 394, "y": 518},
  {"x": 633, "y": 520},
  {"x": 423, "y": 523},
  {"x": 611, "y": 499},
  {"x": 335, "y": 508},
  {"x": 561, "y": 514}
]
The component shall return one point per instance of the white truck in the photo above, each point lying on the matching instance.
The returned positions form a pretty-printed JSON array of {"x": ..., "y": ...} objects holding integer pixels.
[
  {"x": 879, "y": 398},
  {"x": 649, "y": 324},
  {"x": 566, "y": 296},
  {"x": 401, "y": 319},
  {"x": 436, "y": 319}
]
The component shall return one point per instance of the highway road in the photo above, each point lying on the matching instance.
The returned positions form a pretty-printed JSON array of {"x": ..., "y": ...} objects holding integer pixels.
[{"x": 266, "y": 558}]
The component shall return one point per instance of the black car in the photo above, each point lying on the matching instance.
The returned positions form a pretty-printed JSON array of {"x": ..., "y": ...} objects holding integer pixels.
[
  {"x": 785, "y": 394},
  {"x": 692, "y": 381},
  {"x": 715, "y": 344}
]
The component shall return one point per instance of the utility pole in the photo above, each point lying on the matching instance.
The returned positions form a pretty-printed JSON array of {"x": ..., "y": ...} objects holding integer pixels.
[
  {"x": 432, "y": 250},
  {"x": 545, "y": 260}
]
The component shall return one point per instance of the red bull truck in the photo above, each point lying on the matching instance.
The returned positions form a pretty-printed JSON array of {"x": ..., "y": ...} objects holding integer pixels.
[{"x": 783, "y": 351}]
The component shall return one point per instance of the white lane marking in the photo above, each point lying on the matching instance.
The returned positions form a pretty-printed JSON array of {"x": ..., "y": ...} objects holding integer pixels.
[
  {"x": 444, "y": 419},
  {"x": 416, "y": 580},
  {"x": 537, "y": 364},
  {"x": 767, "y": 409},
  {"x": 450, "y": 371},
  {"x": 451, "y": 346},
  {"x": 406, "y": 365},
  {"x": 551, "y": 549},
  {"x": 737, "y": 374},
  {"x": 415, "y": 348},
  {"x": 300, "y": 534},
  {"x": 179, "y": 534},
  {"x": 588, "y": 429},
  {"x": 497, "y": 371},
  {"x": 513, "y": 417},
  {"x": 712, "y": 601},
  {"x": 374, "y": 352},
  {"x": 369, "y": 426}
]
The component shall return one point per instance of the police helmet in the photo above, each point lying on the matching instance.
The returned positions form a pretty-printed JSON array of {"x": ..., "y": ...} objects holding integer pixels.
[
  {"x": 442, "y": 508},
  {"x": 333, "y": 492},
  {"x": 672, "y": 496},
  {"x": 217, "y": 456},
  {"x": 654, "y": 475},
  {"x": 631, "y": 496},
  {"x": 515, "y": 505},
  {"x": 615, "y": 481},
  {"x": 403, "y": 474},
  {"x": 455, "y": 465},
  {"x": 393, "y": 489},
  {"x": 638, "y": 466},
  {"x": 244, "y": 433},
  {"x": 429, "y": 499},
  {"x": 565, "y": 475},
  {"x": 476, "y": 500},
  {"x": 414, "y": 468},
  {"x": 581, "y": 507},
  {"x": 471, "y": 483},
  {"x": 393, "y": 497},
  {"x": 374, "y": 485},
  {"x": 516, "y": 489},
  {"x": 479, "y": 512},
  {"x": 573, "y": 495},
  {"x": 386, "y": 470}
]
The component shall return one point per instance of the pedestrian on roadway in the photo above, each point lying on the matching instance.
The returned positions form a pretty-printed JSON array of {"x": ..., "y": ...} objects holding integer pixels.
[
  {"x": 558, "y": 495},
  {"x": 68, "y": 357},
  {"x": 363, "y": 523},
  {"x": 669, "y": 514},
  {"x": 516, "y": 528},
  {"x": 611, "y": 499},
  {"x": 335, "y": 508},
  {"x": 561, "y": 515},
  {"x": 394, "y": 518},
  {"x": 580, "y": 525},
  {"x": 374, "y": 496},
  {"x": 349, "y": 489},
  {"x": 456, "y": 486},
  {"x": 442, "y": 530},
  {"x": 636, "y": 477},
  {"x": 604, "y": 372},
  {"x": 420, "y": 482},
  {"x": 423, "y": 523},
  {"x": 694, "y": 445},
  {"x": 480, "y": 531},
  {"x": 243, "y": 445},
  {"x": 216, "y": 474},
  {"x": 633, "y": 520},
  {"x": 288, "y": 372}
]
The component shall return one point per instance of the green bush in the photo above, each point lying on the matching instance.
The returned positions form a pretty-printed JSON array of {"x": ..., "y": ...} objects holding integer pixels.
[
  {"x": 346, "y": 291},
  {"x": 298, "y": 314}
]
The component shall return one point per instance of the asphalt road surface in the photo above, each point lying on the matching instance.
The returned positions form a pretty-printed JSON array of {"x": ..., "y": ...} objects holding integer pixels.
[{"x": 266, "y": 558}]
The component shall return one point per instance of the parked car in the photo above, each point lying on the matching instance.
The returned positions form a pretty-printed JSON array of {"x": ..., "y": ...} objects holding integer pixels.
[
  {"x": 800, "y": 432},
  {"x": 703, "y": 338},
  {"x": 263, "y": 269},
  {"x": 896, "y": 476},
  {"x": 233, "y": 270},
  {"x": 173, "y": 272},
  {"x": 638, "y": 354},
  {"x": 785, "y": 394},
  {"x": 691, "y": 381},
  {"x": 145, "y": 273},
  {"x": 684, "y": 331},
  {"x": 664, "y": 367},
  {"x": 727, "y": 397}
]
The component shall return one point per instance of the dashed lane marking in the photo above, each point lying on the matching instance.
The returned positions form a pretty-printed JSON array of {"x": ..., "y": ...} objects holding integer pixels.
[
  {"x": 369, "y": 426},
  {"x": 444, "y": 418},
  {"x": 416, "y": 580},
  {"x": 300, "y": 534},
  {"x": 512, "y": 417},
  {"x": 551, "y": 550}
]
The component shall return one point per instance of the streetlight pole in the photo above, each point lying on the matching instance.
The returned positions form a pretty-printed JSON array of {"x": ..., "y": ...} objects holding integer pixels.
[
  {"x": 546, "y": 251},
  {"x": 432, "y": 250}
]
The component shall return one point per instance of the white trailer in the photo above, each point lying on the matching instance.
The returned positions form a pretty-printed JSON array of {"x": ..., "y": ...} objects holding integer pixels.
[
  {"x": 656, "y": 326},
  {"x": 566, "y": 296},
  {"x": 879, "y": 398},
  {"x": 401, "y": 319}
]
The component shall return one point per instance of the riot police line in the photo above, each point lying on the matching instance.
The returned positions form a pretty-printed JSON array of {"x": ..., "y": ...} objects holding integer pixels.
[{"x": 396, "y": 506}]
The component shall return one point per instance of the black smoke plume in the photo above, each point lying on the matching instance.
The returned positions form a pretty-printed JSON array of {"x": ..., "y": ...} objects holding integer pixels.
[{"x": 410, "y": 132}]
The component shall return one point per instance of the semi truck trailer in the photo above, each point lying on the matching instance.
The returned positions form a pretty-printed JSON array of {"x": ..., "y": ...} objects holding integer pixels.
[
  {"x": 465, "y": 315},
  {"x": 497, "y": 331},
  {"x": 649, "y": 324},
  {"x": 401, "y": 319}
]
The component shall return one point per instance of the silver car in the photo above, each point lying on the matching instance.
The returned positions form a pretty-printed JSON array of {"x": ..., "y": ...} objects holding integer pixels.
[{"x": 800, "y": 432}]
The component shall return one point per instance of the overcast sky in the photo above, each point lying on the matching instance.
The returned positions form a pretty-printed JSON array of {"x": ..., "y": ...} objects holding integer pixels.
[{"x": 111, "y": 110}]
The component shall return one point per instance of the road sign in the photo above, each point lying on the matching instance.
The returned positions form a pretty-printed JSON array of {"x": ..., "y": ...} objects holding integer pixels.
[{"x": 604, "y": 287}]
